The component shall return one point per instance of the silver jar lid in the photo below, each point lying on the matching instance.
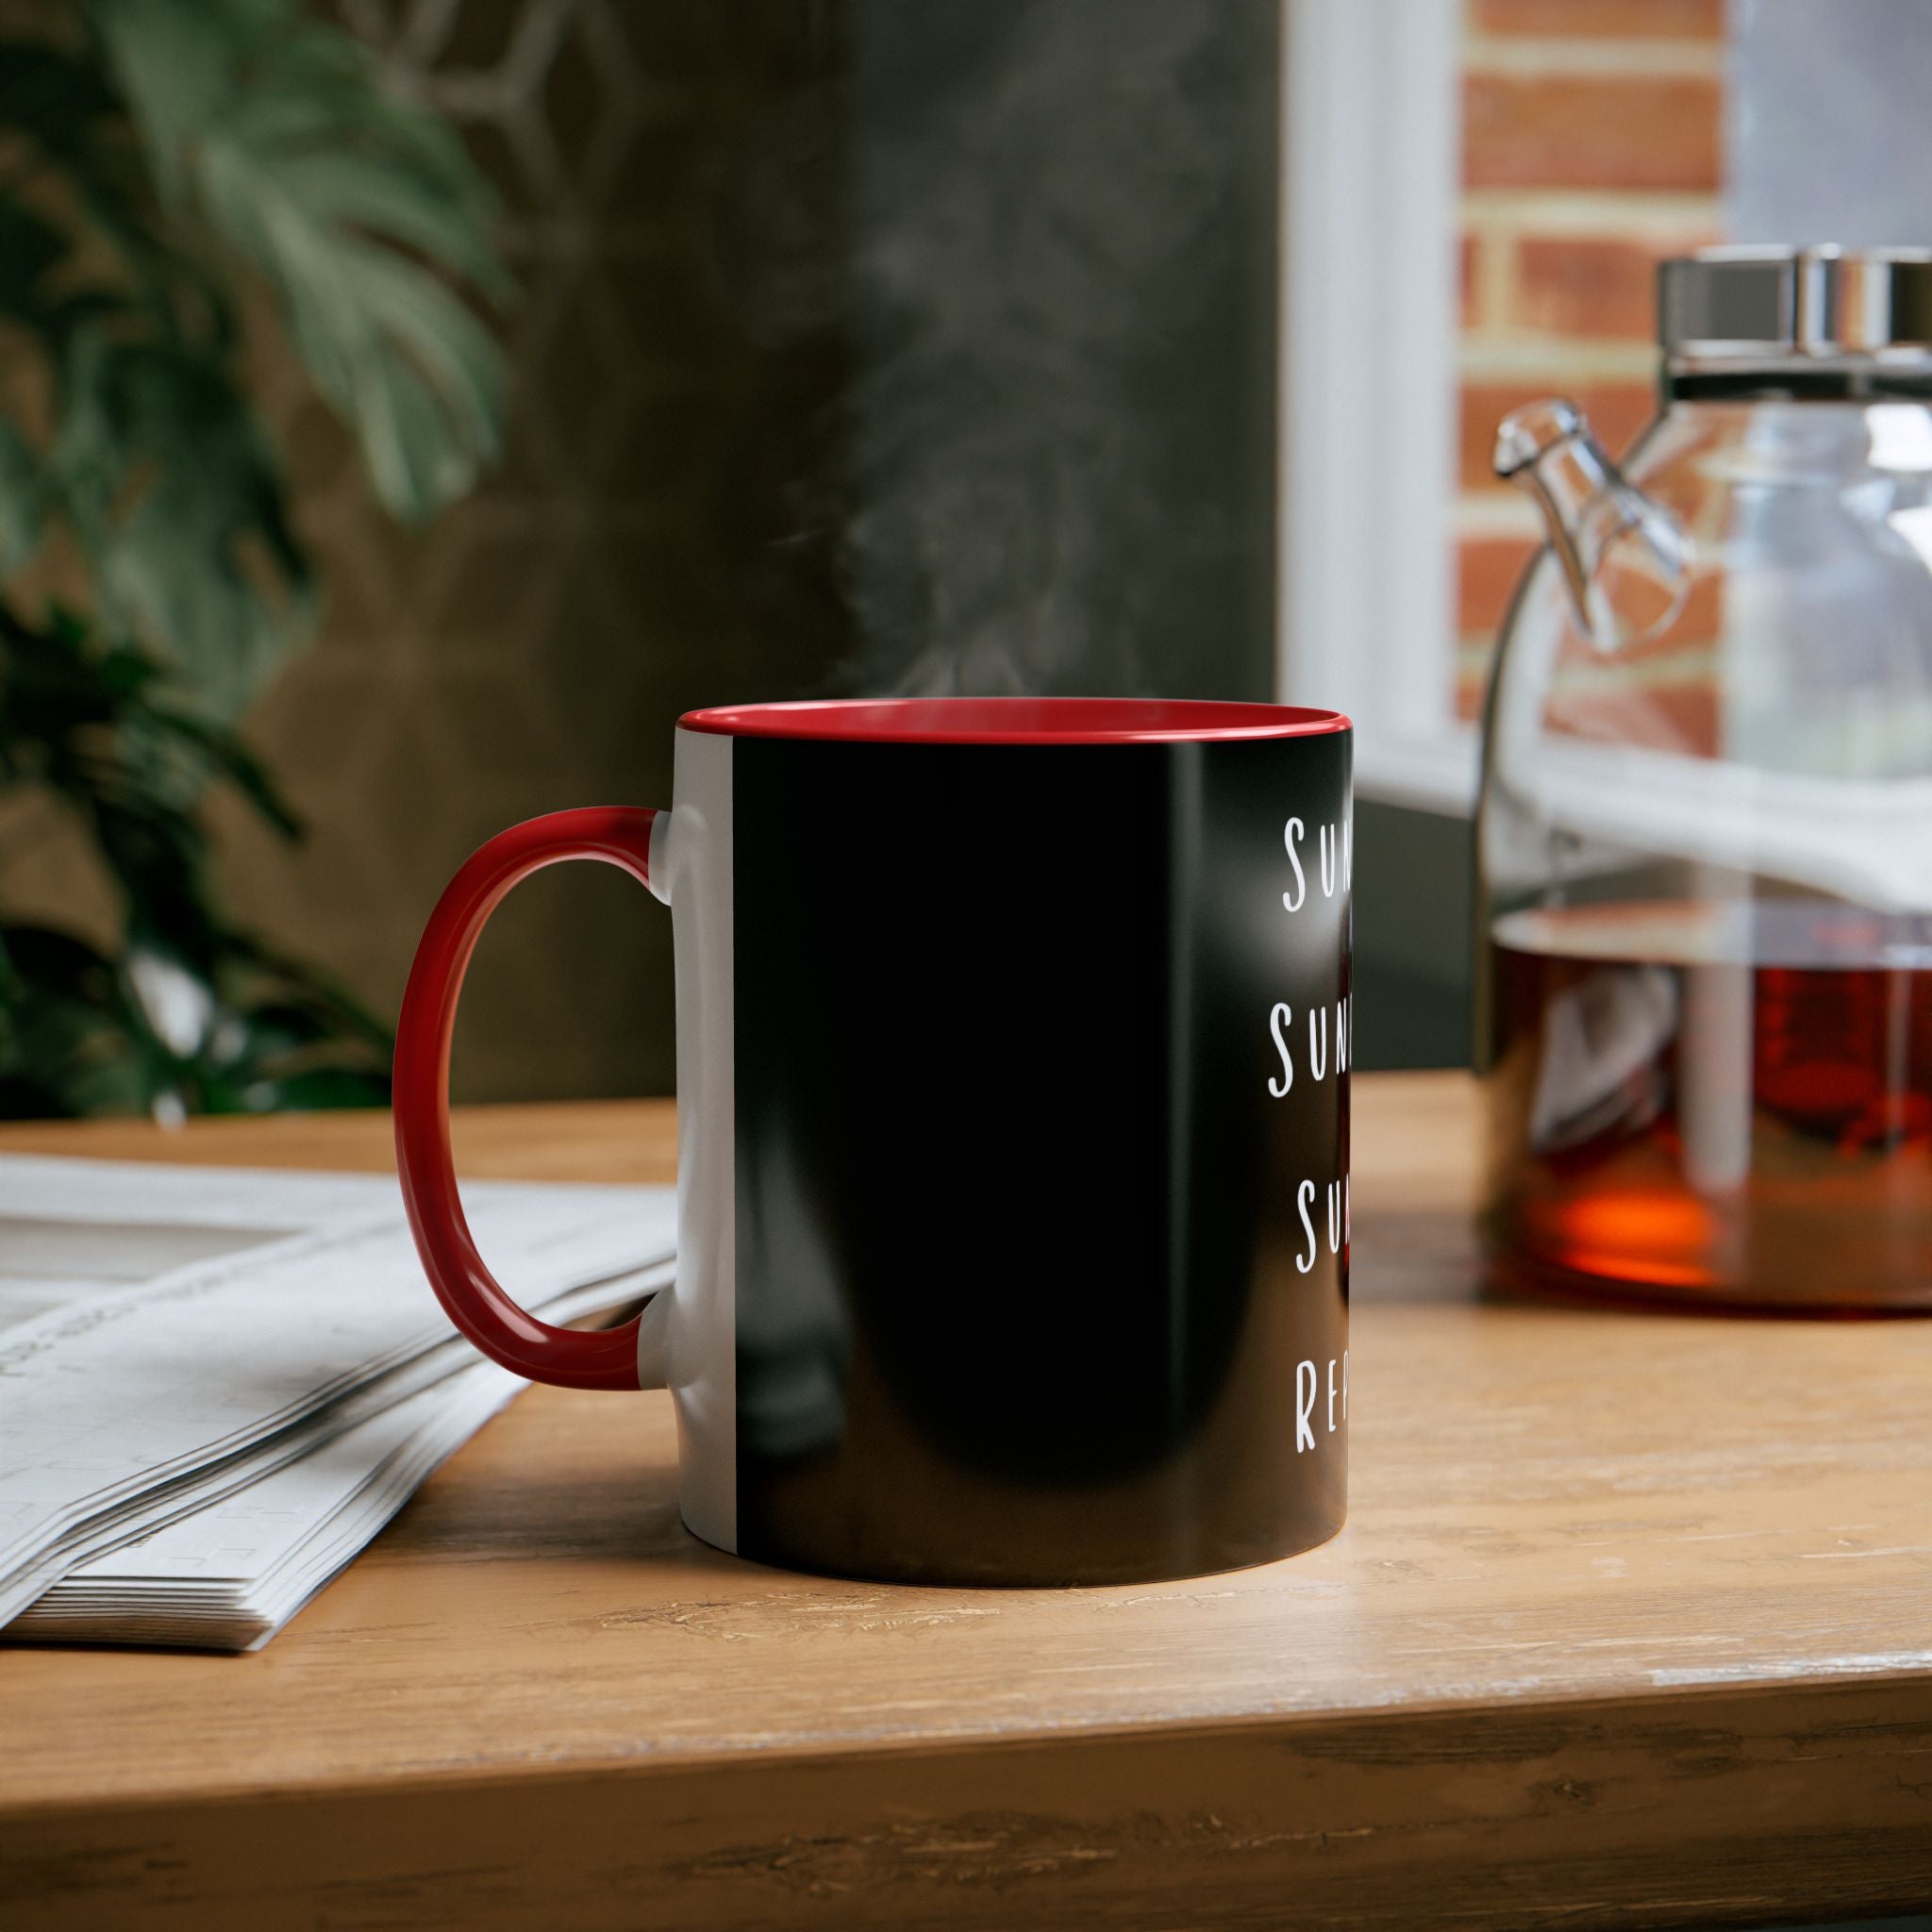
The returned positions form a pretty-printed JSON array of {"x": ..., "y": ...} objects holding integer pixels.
[{"x": 1780, "y": 304}]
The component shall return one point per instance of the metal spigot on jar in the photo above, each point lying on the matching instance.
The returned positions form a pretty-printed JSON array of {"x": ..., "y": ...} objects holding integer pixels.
[{"x": 1705, "y": 837}]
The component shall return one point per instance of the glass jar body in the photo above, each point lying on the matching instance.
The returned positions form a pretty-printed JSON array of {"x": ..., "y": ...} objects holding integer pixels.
[{"x": 1705, "y": 884}]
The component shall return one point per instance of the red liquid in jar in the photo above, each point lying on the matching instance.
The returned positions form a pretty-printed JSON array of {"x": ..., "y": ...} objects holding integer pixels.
[{"x": 1713, "y": 1103}]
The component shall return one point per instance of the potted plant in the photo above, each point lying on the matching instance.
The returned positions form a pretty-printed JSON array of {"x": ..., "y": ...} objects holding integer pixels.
[{"x": 171, "y": 172}]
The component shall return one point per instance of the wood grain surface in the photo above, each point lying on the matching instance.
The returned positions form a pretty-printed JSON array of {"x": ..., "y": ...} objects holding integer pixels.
[{"x": 1631, "y": 1626}]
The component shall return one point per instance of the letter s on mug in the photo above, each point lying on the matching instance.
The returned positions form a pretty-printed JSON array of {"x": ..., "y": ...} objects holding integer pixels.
[
  {"x": 1304, "y": 1200},
  {"x": 1279, "y": 1083},
  {"x": 1290, "y": 835}
]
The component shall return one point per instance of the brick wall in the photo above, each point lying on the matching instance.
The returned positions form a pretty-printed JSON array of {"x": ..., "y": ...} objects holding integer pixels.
[{"x": 1592, "y": 147}]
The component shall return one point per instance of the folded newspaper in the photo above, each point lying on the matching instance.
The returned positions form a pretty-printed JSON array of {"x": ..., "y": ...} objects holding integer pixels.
[{"x": 216, "y": 1385}]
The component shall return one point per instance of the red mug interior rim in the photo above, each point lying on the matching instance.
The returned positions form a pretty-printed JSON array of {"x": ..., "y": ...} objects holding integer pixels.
[{"x": 1014, "y": 720}]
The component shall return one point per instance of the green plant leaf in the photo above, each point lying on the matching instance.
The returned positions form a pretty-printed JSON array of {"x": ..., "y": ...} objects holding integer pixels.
[
  {"x": 29, "y": 248},
  {"x": 175, "y": 65},
  {"x": 313, "y": 1089},
  {"x": 65, "y": 1046},
  {"x": 354, "y": 203},
  {"x": 175, "y": 498},
  {"x": 228, "y": 757},
  {"x": 52, "y": 96},
  {"x": 417, "y": 376},
  {"x": 23, "y": 503},
  {"x": 59, "y": 105},
  {"x": 155, "y": 149}
]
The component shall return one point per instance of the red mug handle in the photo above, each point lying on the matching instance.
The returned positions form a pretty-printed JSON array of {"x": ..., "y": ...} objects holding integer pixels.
[{"x": 574, "y": 1358}]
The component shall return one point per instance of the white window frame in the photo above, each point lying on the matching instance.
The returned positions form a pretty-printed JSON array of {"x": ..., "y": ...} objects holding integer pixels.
[{"x": 1371, "y": 160}]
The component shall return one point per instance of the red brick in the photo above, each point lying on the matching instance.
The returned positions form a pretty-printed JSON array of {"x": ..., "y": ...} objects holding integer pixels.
[
  {"x": 1617, "y": 410},
  {"x": 1466, "y": 272},
  {"x": 1685, "y": 643},
  {"x": 1487, "y": 572},
  {"x": 1694, "y": 629},
  {"x": 1662, "y": 19},
  {"x": 1588, "y": 287},
  {"x": 1572, "y": 130},
  {"x": 1472, "y": 687},
  {"x": 1679, "y": 718}
]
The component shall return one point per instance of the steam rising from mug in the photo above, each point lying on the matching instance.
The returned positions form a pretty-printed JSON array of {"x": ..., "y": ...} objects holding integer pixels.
[{"x": 1051, "y": 465}]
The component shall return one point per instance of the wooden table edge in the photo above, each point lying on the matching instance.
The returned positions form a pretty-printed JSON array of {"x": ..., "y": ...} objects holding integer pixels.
[
  {"x": 1599, "y": 1713},
  {"x": 1363, "y": 1817}
]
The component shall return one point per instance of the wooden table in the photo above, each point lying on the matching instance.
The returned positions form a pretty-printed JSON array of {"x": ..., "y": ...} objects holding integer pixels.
[{"x": 1631, "y": 1626}]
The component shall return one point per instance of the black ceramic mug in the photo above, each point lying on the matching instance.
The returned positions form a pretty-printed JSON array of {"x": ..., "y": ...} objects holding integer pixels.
[{"x": 1013, "y": 1069}]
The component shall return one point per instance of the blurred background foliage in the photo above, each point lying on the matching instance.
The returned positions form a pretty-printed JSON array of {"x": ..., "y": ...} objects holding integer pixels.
[{"x": 173, "y": 174}]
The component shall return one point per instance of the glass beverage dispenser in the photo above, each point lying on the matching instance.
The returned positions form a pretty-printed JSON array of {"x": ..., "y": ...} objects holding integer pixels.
[{"x": 1705, "y": 838}]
